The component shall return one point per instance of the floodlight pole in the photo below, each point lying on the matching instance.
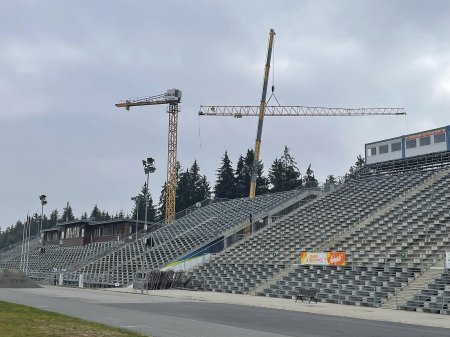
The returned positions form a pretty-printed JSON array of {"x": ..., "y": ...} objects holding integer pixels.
[
  {"x": 149, "y": 167},
  {"x": 43, "y": 202}
]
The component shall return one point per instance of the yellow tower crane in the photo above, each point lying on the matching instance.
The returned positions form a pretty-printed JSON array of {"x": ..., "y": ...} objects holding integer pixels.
[
  {"x": 172, "y": 97},
  {"x": 239, "y": 111}
]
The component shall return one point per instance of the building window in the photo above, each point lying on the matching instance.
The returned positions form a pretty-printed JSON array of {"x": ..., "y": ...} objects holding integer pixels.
[
  {"x": 439, "y": 138},
  {"x": 411, "y": 144},
  {"x": 384, "y": 149},
  {"x": 107, "y": 230},
  {"x": 396, "y": 146},
  {"x": 425, "y": 141},
  {"x": 373, "y": 151},
  {"x": 72, "y": 232}
]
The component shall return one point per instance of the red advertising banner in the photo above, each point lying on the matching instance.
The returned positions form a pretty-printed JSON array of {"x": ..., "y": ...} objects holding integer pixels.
[{"x": 323, "y": 258}]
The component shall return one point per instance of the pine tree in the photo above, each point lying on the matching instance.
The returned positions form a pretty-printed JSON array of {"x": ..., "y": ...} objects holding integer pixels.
[
  {"x": 359, "y": 162},
  {"x": 309, "y": 180},
  {"x": 330, "y": 179},
  {"x": 192, "y": 188},
  {"x": 161, "y": 204},
  {"x": 151, "y": 212},
  {"x": 199, "y": 185},
  {"x": 184, "y": 192},
  {"x": 96, "y": 214},
  {"x": 243, "y": 178},
  {"x": 284, "y": 174},
  {"x": 353, "y": 170},
  {"x": 67, "y": 214},
  {"x": 225, "y": 187},
  {"x": 54, "y": 215},
  {"x": 262, "y": 183},
  {"x": 277, "y": 176}
]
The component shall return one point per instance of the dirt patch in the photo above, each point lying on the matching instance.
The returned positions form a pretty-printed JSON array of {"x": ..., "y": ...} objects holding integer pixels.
[{"x": 14, "y": 278}]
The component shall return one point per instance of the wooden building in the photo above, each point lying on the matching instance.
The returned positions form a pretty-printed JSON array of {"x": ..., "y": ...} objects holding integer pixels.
[{"x": 82, "y": 232}]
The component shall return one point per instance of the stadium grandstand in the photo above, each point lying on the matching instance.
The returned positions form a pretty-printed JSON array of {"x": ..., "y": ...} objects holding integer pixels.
[{"x": 381, "y": 239}]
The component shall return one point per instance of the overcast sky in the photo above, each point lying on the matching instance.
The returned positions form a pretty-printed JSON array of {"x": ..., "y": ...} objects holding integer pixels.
[{"x": 63, "y": 65}]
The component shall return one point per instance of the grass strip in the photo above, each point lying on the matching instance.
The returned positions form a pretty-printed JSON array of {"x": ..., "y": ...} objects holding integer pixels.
[{"x": 22, "y": 321}]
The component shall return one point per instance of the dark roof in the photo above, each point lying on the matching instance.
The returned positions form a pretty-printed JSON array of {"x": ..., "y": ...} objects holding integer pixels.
[
  {"x": 106, "y": 222},
  {"x": 74, "y": 222},
  {"x": 55, "y": 228}
]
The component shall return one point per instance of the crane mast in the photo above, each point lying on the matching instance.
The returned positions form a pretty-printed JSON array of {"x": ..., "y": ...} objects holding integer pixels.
[
  {"x": 262, "y": 108},
  {"x": 172, "y": 97}
]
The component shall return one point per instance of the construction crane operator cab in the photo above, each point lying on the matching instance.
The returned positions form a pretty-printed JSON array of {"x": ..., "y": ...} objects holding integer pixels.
[{"x": 173, "y": 96}]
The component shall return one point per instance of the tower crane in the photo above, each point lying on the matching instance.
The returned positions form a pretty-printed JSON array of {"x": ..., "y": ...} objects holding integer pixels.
[
  {"x": 172, "y": 97},
  {"x": 239, "y": 111}
]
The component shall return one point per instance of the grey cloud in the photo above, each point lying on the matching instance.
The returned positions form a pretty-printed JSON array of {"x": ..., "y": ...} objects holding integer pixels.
[{"x": 63, "y": 65}]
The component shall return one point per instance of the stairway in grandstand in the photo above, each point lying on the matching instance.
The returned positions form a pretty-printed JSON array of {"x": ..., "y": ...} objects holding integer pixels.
[
  {"x": 186, "y": 235},
  {"x": 405, "y": 293},
  {"x": 373, "y": 219},
  {"x": 434, "y": 298}
]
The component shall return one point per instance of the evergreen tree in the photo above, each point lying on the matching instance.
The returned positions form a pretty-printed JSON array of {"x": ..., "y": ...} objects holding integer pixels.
[
  {"x": 96, "y": 214},
  {"x": 330, "y": 179},
  {"x": 243, "y": 178},
  {"x": 359, "y": 162},
  {"x": 284, "y": 174},
  {"x": 161, "y": 204},
  {"x": 84, "y": 216},
  {"x": 105, "y": 216},
  {"x": 151, "y": 212},
  {"x": 54, "y": 216},
  {"x": 309, "y": 180},
  {"x": 67, "y": 214},
  {"x": 199, "y": 185},
  {"x": 262, "y": 183},
  {"x": 192, "y": 188},
  {"x": 202, "y": 189},
  {"x": 225, "y": 187},
  {"x": 353, "y": 170},
  {"x": 277, "y": 176},
  {"x": 122, "y": 215},
  {"x": 184, "y": 192}
]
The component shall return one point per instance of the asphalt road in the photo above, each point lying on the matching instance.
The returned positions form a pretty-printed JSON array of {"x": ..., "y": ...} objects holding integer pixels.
[{"x": 167, "y": 317}]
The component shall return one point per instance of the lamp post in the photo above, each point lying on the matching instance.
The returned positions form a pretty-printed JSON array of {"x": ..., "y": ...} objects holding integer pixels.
[
  {"x": 137, "y": 199},
  {"x": 149, "y": 167},
  {"x": 43, "y": 199}
]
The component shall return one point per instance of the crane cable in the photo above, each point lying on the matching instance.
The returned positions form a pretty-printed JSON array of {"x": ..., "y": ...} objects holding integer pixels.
[{"x": 199, "y": 134}]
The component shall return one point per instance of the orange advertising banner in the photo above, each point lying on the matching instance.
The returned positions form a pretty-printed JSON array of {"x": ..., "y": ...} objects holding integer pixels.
[{"x": 323, "y": 258}]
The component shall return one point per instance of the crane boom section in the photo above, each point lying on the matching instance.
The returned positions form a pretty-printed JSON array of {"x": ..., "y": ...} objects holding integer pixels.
[
  {"x": 239, "y": 111},
  {"x": 172, "y": 96},
  {"x": 262, "y": 108}
]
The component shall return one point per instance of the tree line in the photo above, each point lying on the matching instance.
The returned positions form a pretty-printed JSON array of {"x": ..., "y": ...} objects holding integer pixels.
[{"x": 192, "y": 187}]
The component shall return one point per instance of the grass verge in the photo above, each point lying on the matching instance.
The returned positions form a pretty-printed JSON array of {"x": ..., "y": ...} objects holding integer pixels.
[{"x": 22, "y": 321}]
